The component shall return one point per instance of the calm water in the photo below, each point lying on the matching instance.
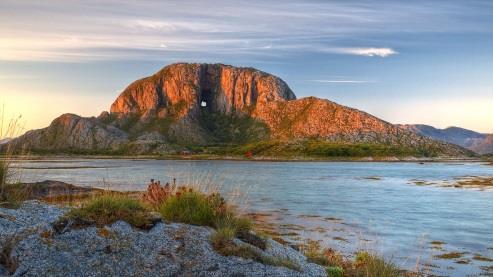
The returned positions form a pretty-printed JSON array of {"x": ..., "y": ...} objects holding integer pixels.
[{"x": 347, "y": 205}]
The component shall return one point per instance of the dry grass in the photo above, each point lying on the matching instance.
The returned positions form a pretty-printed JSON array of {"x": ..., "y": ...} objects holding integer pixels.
[
  {"x": 195, "y": 204},
  {"x": 108, "y": 208},
  {"x": 223, "y": 244},
  {"x": 368, "y": 264},
  {"x": 9, "y": 198},
  {"x": 364, "y": 264}
]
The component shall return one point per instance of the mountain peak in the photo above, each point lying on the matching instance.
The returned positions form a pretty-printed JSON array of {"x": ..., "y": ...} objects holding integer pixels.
[
  {"x": 219, "y": 87},
  {"x": 216, "y": 104}
]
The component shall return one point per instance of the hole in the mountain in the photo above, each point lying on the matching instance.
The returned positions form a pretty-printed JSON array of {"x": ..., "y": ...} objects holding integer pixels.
[{"x": 206, "y": 99}]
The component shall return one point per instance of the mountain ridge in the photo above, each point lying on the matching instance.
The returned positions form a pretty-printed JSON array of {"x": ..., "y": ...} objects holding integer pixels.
[
  {"x": 480, "y": 143},
  {"x": 204, "y": 104}
]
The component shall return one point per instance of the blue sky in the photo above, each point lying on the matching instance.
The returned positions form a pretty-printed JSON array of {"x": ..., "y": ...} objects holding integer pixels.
[{"x": 427, "y": 62}]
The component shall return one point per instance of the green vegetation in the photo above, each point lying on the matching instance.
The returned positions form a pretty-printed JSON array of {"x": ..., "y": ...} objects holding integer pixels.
[
  {"x": 451, "y": 255},
  {"x": 364, "y": 264},
  {"x": 192, "y": 208},
  {"x": 232, "y": 129},
  {"x": 222, "y": 236},
  {"x": 368, "y": 264},
  {"x": 222, "y": 243},
  {"x": 335, "y": 271},
  {"x": 108, "y": 208},
  {"x": 186, "y": 205},
  {"x": 479, "y": 257},
  {"x": 318, "y": 149},
  {"x": 11, "y": 195}
]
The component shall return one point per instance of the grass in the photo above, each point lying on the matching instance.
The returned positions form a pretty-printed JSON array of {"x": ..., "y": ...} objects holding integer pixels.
[
  {"x": 364, "y": 264},
  {"x": 370, "y": 265},
  {"x": 198, "y": 208},
  {"x": 10, "y": 195},
  {"x": 192, "y": 208},
  {"x": 318, "y": 149},
  {"x": 186, "y": 205},
  {"x": 335, "y": 271},
  {"x": 227, "y": 248},
  {"x": 108, "y": 208},
  {"x": 222, "y": 237}
]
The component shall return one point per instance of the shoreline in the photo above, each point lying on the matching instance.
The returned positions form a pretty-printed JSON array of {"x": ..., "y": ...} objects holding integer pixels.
[
  {"x": 390, "y": 159},
  {"x": 53, "y": 226},
  {"x": 267, "y": 225}
]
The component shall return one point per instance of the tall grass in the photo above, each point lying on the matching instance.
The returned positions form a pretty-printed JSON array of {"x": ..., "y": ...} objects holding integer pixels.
[
  {"x": 364, "y": 264},
  {"x": 108, "y": 208},
  {"x": 10, "y": 195}
]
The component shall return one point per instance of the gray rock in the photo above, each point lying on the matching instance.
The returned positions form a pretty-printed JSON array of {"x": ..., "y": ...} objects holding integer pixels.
[{"x": 121, "y": 250}]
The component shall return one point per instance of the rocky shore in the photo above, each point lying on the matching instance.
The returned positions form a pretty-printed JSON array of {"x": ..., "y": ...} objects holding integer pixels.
[{"x": 31, "y": 246}]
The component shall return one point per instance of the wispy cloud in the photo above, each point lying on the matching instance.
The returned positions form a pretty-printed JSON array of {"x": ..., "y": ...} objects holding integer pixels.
[
  {"x": 100, "y": 30},
  {"x": 370, "y": 51}
]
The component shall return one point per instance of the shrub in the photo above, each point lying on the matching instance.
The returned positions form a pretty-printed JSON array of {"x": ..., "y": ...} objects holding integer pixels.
[
  {"x": 226, "y": 247},
  {"x": 192, "y": 208},
  {"x": 107, "y": 209},
  {"x": 371, "y": 265},
  {"x": 364, "y": 264},
  {"x": 222, "y": 238},
  {"x": 335, "y": 271},
  {"x": 12, "y": 195}
]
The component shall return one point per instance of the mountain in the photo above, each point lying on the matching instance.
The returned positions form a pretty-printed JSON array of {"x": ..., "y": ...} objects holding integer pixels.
[
  {"x": 5, "y": 140},
  {"x": 187, "y": 106},
  {"x": 477, "y": 142}
]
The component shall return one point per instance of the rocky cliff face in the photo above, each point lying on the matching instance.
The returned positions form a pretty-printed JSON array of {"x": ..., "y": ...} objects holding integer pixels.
[
  {"x": 477, "y": 142},
  {"x": 220, "y": 88},
  {"x": 200, "y": 104},
  {"x": 70, "y": 131}
]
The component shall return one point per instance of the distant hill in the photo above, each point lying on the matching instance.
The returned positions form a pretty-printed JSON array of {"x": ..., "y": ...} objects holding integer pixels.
[
  {"x": 5, "y": 140},
  {"x": 477, "y": 142},
  {"x": 191, "y": 106}
]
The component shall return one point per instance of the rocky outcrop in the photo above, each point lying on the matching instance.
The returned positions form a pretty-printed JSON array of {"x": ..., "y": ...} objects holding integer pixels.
[
  {"x": 477, "y": 142},
  {"x": 184, "y": 87},
  {"x": 203, "y": 104},
  {"x": 70, "y": 131},
  {"x": 30, "y": 246}
]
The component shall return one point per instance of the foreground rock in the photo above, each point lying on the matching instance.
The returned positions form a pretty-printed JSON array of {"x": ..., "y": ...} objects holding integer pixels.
[
  {"x": 30, "y": 247},
  {"x": 53, "y": 189},
  {"x": 207, "y": 104}
]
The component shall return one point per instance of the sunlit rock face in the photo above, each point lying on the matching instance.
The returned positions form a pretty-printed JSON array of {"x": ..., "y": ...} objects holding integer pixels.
[
  {"x": 188, "y": 87},
  {"x": 184, "y": 89}
]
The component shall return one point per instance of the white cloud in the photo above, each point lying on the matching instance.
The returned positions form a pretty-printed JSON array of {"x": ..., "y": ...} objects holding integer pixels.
[
  {"x": 82, "y": 31},
  {"x": 370, "y": 51}
]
